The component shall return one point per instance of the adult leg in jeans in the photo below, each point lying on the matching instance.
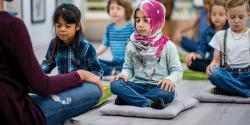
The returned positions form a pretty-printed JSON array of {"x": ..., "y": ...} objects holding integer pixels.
[
  {"x": 129, "y": 94},
  {"x": 199, "y": 65},
  {"x": 69, "y": 103},
  {"x": 225, "y": 81},
  {"x": 189, "y": 45}
]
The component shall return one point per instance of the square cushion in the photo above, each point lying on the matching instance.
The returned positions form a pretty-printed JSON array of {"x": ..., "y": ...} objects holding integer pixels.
[
  {"x": 206, "y": 96},
  {"x": 170, "y": 111}
]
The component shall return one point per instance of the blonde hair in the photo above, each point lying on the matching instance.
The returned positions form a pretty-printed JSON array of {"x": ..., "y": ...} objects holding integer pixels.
[{"x": 234, "y": 3}]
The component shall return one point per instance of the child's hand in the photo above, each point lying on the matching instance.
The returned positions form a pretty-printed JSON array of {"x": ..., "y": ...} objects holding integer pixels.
[
  {"x": 166, "y": 85},
  {"x": 210, "y": 67},
  {"x": 119, "y": 77},
  {"x": 191, "y": 57},
  {"x": 90, "y": 77}
]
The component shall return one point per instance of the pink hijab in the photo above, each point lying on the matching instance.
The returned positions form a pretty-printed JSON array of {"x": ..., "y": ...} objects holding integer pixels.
[{"x": 155, "y": 12}]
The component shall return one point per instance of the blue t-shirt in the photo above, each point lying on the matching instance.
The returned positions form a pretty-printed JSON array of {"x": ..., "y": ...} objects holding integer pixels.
[{"x": 116, "y": 38}]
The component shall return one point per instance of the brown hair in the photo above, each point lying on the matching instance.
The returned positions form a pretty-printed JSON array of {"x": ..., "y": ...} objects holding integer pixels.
[
  {"x": 234, "y": 3},
  {"x": 126, "y": 4},
  {"x": 208, "y": 1},
  {"x": 219, "y": 3}
]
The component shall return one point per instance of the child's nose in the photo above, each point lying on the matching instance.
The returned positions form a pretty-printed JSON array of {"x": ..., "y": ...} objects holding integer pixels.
[
  {"x": 237, "y": 19},
  {"x": 62, "y": 28},
  {"x": 140, "y": 23}
]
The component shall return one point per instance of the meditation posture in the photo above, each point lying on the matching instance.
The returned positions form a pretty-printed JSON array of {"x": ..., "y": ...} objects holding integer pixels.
[
  {"x": 198, "y": 61},
  {"x": 232, "y": 47},
  {"x": 116, "y": 35},
  {"x": 20, "y": 72},
  {"x": 152, "y": 66}
]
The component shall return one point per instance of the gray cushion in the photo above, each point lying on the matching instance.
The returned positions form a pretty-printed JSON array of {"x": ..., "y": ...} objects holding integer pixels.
[
  {"x": 206, "y": 96},
  {"x": 168, "y": 112}
]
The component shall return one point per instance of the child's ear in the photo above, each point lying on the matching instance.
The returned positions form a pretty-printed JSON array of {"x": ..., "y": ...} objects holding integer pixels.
[{"x": 78, "y": 27}]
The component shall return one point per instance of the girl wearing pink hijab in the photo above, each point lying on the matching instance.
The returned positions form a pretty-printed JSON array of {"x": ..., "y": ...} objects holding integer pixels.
[{"x": 152, "y": 66}]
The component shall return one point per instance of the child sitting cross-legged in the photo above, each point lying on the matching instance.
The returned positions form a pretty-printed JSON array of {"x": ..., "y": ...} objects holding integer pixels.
[
  {"x": 152, "y": 66},
  {"x": 232, "y": 46}
]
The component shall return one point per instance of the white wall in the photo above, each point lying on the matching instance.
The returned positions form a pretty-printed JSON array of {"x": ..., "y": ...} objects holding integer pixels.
[{"x": 41, "y": 33}]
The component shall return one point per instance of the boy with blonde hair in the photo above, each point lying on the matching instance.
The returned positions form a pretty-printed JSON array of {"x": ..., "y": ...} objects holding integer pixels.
[{"x": 232, "y": 46}]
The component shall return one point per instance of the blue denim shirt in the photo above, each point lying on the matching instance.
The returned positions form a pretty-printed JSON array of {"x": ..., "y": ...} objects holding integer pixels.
[
  {"x": 70, "y": 58},
  {"x": 203, "y": 23},
  {"x": 204, "y": 47}
]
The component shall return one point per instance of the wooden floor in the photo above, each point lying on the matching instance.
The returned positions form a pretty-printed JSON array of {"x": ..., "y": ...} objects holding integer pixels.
[{"x": 202, "y": 114}]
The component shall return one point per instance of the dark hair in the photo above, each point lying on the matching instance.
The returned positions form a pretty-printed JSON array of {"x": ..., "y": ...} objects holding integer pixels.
[
  {"x": 219, "y": 3},
  {"x": 71, "y": 15},
  {"x": 126, "y": 4}
]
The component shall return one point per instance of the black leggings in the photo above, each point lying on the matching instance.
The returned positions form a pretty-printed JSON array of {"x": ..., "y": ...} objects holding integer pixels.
[{"x": 199, "y": 65}]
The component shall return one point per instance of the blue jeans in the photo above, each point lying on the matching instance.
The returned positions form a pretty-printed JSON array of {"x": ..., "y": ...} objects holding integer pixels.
[
  {"x": 140, "y": 94},
  {"x": 189, "y": 45},
  {"x": 108, "y": 66},
  {"x": 235, "y": 82},
  {"x": 69, "y": 103}
]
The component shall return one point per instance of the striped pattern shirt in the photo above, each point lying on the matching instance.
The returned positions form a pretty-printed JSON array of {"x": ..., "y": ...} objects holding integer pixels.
[{"x": 116, "y": 38}]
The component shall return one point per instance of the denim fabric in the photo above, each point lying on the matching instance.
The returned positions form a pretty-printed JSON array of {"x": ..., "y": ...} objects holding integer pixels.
[
  {"x": 188, "y": 44},
  {"x": 204, "y": 46},
  {"x": 108, "y": 66},
  {"x": 67, "y": 104},
  {"x": 70, "y": 58},
  {"x": 235, "y": 82},
  {"x": 203, "y": 22},
  {"x": 140, "y": 94}
]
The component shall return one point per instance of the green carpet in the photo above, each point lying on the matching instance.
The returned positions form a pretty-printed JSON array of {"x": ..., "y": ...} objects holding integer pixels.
[
  {"x": 194, "y": 75},
  {"x": 107, "y": 94},
  {"x": 182, "y": 57}
]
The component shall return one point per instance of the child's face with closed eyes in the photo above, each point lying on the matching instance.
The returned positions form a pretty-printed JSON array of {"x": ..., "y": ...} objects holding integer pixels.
[{"x": 237, "y": 18}]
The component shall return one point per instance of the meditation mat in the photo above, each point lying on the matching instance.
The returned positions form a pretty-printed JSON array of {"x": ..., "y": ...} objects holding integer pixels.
[
  {"x": 170, "y": 111},
  {"x": 107, "y": 94},
  {"x": 194, "y": 75},
  {"x": 206, "y": 96}
]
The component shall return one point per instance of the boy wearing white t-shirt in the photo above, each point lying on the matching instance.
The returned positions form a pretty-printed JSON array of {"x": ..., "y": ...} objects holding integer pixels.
[{"x": 233, "y": 47}]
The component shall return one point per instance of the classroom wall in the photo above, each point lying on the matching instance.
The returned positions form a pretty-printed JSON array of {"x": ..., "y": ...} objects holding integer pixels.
[{"x": 41, "y": 33}]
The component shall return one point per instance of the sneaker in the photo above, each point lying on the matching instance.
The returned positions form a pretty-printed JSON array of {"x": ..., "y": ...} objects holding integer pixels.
[
  {"x": 119, "y": 101},
  {"x": 218, "y": 91},
  {"x": 159, "y": 104}
]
